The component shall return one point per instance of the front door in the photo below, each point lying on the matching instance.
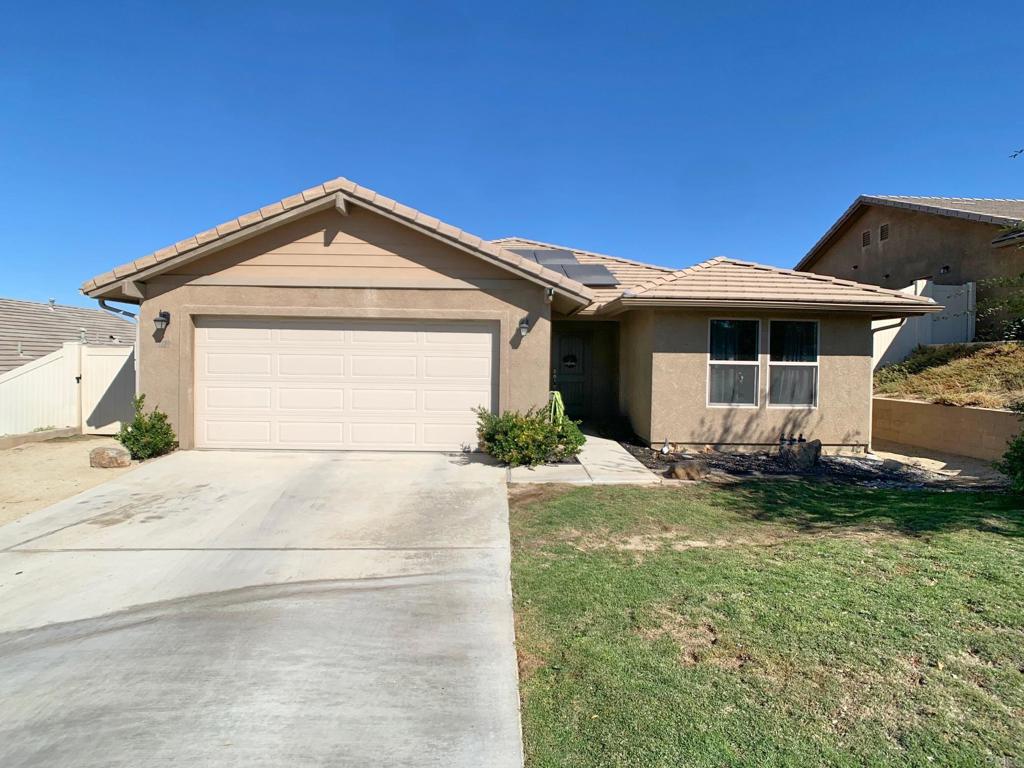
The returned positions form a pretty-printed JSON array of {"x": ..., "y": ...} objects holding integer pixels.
[{"x": 571, "y": 374}]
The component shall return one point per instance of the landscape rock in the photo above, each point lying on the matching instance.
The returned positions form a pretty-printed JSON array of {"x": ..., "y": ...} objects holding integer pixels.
[
  {"x": 109, "y": 458},
  {"x": 693, "y": 468},
  {"x": 801, "y": 456}
]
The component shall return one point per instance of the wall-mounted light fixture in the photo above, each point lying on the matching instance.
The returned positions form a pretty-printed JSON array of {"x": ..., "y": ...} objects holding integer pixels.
[
  {"x": 524, "y": 326},
  {"x": 549, "y": 295},
  {"x": 162, "y": 320}
]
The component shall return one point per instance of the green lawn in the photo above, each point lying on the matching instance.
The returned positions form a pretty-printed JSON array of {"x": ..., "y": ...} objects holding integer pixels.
[{"x": 770, "y": 623}]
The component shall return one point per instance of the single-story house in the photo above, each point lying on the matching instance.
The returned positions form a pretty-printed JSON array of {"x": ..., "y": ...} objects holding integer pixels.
[
  {"x": 338, "y": 318},
  {"x": 30, "y": 330}
]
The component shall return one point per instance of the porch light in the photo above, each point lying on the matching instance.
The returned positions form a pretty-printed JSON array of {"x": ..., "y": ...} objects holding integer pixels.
[
  {"x": 524, "y": 326},
  {"x": 162, "y": 320}
]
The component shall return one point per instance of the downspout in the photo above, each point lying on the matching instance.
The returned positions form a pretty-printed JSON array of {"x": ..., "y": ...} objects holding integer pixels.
[{"x": 115, "y": 310}]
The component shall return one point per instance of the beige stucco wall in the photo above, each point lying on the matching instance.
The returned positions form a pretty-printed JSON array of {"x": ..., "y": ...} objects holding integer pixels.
[
  {"x": 636, "y": 345},
  {"x": 981, "y": 433},
  {"x": 330, "y": 266},
  {"x": 919, "y": 246},
  {"x": 679, "y": 378}
]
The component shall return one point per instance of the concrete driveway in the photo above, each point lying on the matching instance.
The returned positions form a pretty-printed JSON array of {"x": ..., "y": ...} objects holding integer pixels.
[{"x": 263, "y": 609}]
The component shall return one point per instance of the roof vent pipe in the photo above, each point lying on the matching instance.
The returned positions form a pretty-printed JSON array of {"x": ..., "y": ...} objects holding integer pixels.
[{"x": 53, "y": 303}]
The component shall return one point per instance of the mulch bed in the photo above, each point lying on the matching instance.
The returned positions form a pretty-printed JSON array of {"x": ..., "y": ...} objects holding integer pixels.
[{"x": 855, "y": 470}]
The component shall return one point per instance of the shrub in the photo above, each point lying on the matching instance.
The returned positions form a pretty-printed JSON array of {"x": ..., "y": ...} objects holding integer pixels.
[
  {"x": 147, "y": 435},
  {"x": 1012, "y": 463},
  {"x": 528, "y": 439}
]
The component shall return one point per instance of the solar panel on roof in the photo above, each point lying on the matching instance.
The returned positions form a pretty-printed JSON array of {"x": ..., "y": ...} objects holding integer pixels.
[
  {"x": 552, "y": 256},
  {"x": 590, "y": 274},
  {"x": 526, "y": 253}
]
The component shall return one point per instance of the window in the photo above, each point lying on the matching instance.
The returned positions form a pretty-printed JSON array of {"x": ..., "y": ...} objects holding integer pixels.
[
  {"x": 733, "y": 364},
  {"x": 793, "y": 364},
  {"x": 883, "y": 232},
  {"x": 865, "y": 238}
]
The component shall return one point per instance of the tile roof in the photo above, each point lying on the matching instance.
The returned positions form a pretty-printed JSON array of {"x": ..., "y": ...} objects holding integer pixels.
[
  {"x": 727, "y": 279},
  {"x": 994, "y": 210},
  {"x": 730, "y": 282},
  {"x": 41, "y": 329},
  {"x": 370, "y": 200},
  {"x": 627, "y": 272},
  {"x": 1001, "y": 212}
]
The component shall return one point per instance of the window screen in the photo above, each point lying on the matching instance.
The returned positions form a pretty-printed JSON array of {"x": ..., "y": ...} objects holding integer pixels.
[
  {"x": 733, "y": 366},
  {"x": 734, "y": 340},
  {"x": 793, "y": 363}
]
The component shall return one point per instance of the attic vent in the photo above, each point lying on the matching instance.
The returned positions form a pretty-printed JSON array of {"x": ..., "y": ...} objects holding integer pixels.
[
  {"x": 865, "y": 238},
  {"x": 883, "y": 232}
]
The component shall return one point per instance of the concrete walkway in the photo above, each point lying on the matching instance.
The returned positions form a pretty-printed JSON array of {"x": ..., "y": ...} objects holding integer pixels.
[
  {"x": 601, "y": 462},
  {"x": 263, "y": 609}
]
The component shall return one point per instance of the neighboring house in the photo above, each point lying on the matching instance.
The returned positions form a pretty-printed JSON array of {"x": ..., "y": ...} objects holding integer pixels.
[
  {"x": 340, "y": 319},
  {"x": 893, "y": 241},
  {"x": 30, "y": 330}
]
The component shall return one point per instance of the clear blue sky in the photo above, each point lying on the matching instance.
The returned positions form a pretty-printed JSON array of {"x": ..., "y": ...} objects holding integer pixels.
[{"x": 664, "y": 132}]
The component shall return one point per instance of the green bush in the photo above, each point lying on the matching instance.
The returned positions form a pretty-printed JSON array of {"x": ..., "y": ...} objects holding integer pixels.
[
  {"x": 147, "y": 435},
  {"x": 1012, "y": 463},
  {"x": 528, "y": 439}
]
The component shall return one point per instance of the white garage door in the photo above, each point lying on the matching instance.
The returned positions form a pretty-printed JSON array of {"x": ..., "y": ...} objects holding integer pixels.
[{"x": 340, "y": 384}]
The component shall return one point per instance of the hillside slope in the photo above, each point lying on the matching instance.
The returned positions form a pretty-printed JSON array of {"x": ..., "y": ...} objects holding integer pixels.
[{"x": 989, "y": 376}]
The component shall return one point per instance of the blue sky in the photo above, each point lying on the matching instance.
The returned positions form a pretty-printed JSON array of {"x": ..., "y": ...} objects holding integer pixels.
[{"x": 663, "y": 132}]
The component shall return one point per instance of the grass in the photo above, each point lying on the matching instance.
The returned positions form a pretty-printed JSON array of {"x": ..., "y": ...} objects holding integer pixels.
[
  {"x": 989, "y": 376},
  {"x": 769, "y": 623}
]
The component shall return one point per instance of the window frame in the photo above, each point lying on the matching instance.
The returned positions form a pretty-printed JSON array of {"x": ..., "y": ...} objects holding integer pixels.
[
  {"x": 816, "y": 365},
  {"x": 755, "y": 364}
]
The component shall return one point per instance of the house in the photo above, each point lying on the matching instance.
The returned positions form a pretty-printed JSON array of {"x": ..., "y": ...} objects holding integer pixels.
[
  {"x": 340, "y": 319},
  {"x": 894, "y": 241},
  {"x": 30, "y": 330}
]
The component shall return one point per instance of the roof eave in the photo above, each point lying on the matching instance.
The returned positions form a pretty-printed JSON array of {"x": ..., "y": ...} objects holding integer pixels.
[
  {"x": 865, "y": 200},
  {"x": 880, "y": 311},
  {"x": 111, "y": 287}
]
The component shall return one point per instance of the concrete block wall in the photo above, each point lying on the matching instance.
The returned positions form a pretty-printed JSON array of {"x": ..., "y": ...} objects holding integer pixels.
[{"x": 981, "y": 433}]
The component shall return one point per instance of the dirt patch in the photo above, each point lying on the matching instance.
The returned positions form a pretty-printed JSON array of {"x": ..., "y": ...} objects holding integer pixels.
[
  {"x": 698, "y": 642},
  {"x": 525, "y": 495},
  {"x": 36, "y": 475},
  {"x": 678, "y": 540},
  {"x": 694, "y": 640}
]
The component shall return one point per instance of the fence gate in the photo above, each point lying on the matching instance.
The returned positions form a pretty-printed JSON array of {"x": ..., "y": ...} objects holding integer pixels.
[{"x": 108, "y": 387}]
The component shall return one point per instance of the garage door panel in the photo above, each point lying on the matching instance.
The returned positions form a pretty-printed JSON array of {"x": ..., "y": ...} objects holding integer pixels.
[
  {"x": 384, "y": 336},
  {"x": 455, "y": 401},
  {"x": 384, "y": 400},
  {"x": 311, "y": 365},
  {"x": 380, "y": 366},
  {"x": 469, "y": 338},
  {"x": 310, "y": 399},
  {"x": 332, "y": 385},
  {"x": 438, "y": 435},
  {"x": 311, "y": 433},
  {"x": 375, "y": 433},
  {"x": 227, "y": 397},
  {"x": 241, "y": 334},
  {"x": 448, "y": 367},
  {"x": 230, "y": 364},
  {"x": 237, "y": 433},
  {"x": 311, "y": 336}
]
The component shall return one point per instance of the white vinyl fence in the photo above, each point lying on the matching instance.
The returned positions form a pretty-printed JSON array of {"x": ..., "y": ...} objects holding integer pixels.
[
  {"x": 80, "y": 385},
  {"x": 894, "y": 340}
]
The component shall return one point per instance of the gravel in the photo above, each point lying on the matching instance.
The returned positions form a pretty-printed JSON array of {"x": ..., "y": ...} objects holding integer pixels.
[{"x": 866, "y": 470}]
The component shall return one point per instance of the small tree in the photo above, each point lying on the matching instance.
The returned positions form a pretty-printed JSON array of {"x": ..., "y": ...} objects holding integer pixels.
[
  {"x": 147, "y": 435},
  {"x": 1012, "y": 463}
]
